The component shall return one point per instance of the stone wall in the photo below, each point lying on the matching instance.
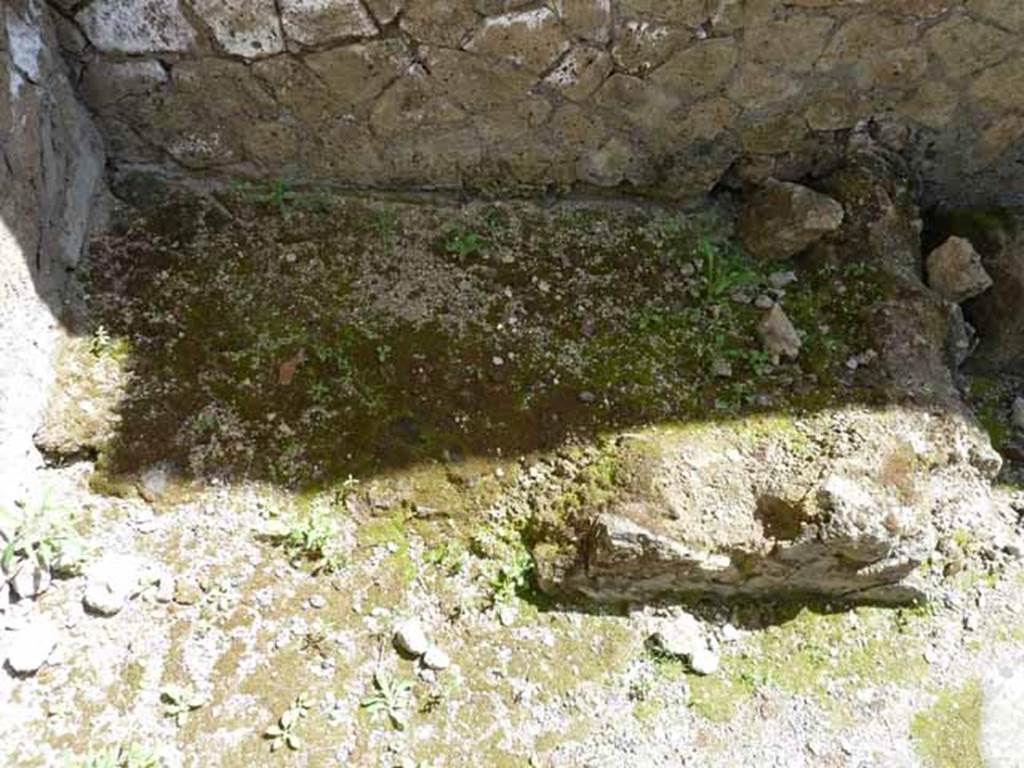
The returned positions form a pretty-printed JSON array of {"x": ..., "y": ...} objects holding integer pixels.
[
  {"x": 665, "y": 96},
  {"x": 51, "y": 167}
]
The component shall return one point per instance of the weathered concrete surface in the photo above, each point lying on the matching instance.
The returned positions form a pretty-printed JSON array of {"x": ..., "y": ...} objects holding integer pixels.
[
  {"x": 844, "y": 504},
  {"x": 662, "y": 98},
  {"x": 50, "y": 174},
  {"x": 1001, "y": 742}
]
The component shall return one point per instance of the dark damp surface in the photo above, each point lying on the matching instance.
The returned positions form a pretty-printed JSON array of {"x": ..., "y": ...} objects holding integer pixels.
[{"x": 303, "y": 339}]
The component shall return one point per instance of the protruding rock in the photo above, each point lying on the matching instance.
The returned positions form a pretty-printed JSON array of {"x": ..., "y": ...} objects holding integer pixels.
[
  {"x": 783, "y": 219},
  {"x": 436, "y": 659},
  {"x": 30, "y": 580},
  {"x": 956, "y": 272},
  {"x": 680, "y": 636},
  {"x": 704, "y": 661},
  {"x": 29, "y": 648},
  {"x": 111, "y": 582},
  {"x": 778, "y": 335},
  {"x": 410, "y": 638}
]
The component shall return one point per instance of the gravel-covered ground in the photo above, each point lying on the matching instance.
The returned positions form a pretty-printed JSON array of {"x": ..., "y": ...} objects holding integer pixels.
[{"x": 279, "y": 443}]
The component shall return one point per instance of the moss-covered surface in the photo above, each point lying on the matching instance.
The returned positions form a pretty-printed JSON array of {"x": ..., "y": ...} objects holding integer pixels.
[
  {"x": 826, "y": 656},
  {"x": 302, "y": 344},
  {"x": 946, "y": 735}
]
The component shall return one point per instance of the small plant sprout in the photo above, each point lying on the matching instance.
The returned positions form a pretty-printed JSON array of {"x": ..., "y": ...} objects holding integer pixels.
[
  {"x": 178, "y": 702},
  {"x": 513, "y": 577},
  {"x": 42, "y": 535},
  {"x": 283, "y": 732},
  {"x": 463, "y": 243},
  {"x": 100, "y": 341},
  {"x": 722, "y": 269},
  {"x": 128, "y": 756},
  {"x": 391, "y": 697},
  {"x": 315, "y": 538}
]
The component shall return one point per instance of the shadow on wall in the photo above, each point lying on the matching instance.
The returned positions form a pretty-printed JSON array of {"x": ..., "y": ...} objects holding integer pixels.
[
  {"x": 53, "y": 155},
  {"x": 50, "y": 174}
]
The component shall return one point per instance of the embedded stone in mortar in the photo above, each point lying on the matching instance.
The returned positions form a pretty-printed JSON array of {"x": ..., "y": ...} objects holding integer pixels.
[
  {"x": 137, "y": 26},
  {"x": 248, "y": 28},
  {"x": 316, "y": 22}
]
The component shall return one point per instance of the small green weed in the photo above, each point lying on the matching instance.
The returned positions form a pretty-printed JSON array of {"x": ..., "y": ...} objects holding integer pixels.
[
  {"x": 448, "y": 556},
  {"x": 103, "y": 345},
  {"x": 179, "y": 701},
  {"x": 384, "y": 224},
  {"x": 279, "y": 194},
  {"x": 462, "y": 243},
  {"x": 41, "y": 534},
  {"x": 283, "y": 732},
  {"x": 128, "y": 756},
  {"x": 315, "y": 539},
  {"x": 391, "y": 697},
  {"x": 514, "y": 577},
  {"x": 722, "y": 269},
  {"x": 946, "y": 735}
]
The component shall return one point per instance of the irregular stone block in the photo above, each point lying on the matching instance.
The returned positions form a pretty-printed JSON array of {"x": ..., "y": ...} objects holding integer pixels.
[
  {"x": 956, "y": 272},
  {"x": 586, "y": 19},
  {"x": 783, "y": 219},
  {"x": 318, "y": 22},
  {"x": 30, "y": 647},
  {"x": 530, "y": 39},
  {"x": 580, "y": 73},
  {"x": 744, "y": 510},
  {"x": 248, "y": 28},
  {"x": 439, "y": 22},
  {"x": 778, "y": 335},
  {"x": 137, "y": 26}
]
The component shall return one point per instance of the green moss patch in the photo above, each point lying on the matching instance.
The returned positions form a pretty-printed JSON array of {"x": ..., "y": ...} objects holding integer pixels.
[
  {"x": 946, "y": 734},
  {"x": 868, "y": 646},
  {"x": 303, "y": 344}
]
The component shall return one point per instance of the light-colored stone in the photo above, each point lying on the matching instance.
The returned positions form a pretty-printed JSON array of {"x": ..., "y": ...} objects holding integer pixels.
[
  {"x": 956, "y": 272},
  {"x": 641, "y": 46},
  {"x": 29, "y": 647},
  {"x": 782, "y": 219},
  {"x": 137, "y": 26},
  {"x": 30, "y": 580},
  {"x": 111, "y": 582},
  {"x": 318, "y": 22},
  {"x": 1002, "y": 711},
  {"x": 436, "y": 659},
  {"x": 530, "y": 39},
  {"x": 704, "y": 661},
  {"x": 580, "y": 73},
  {"x": 51, "y": 171},
  {"x": 680, "y": 635},
  {"x": 411, "y": 638},
  {"x": 248, "y": 28},
  {"x": 779, "y": 336}
]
